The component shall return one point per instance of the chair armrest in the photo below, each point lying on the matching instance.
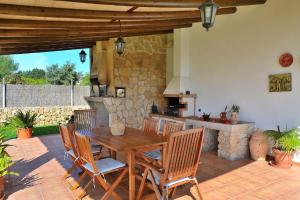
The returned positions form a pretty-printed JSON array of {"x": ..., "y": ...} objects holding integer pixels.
[{"x": 159, "y": 170}]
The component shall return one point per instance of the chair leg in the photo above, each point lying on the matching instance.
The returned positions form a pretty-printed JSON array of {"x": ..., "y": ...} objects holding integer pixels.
[
  {"x": 106, "y": 186},
  {"x": 198, "y": 189},
  {"x": 69, "y": 171},
  {"x": 154, "y": 185},
  {"x": 77, "y": 183},
  {"x": 173, "y": 192},
  {"x": 83, "y": 192},
  {"x": 142, "y": 186},
  {"x": 114, "y": 185}
]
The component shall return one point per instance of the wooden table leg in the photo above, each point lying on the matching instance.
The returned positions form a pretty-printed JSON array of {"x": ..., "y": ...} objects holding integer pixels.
[{"x": 131, "y": 166}]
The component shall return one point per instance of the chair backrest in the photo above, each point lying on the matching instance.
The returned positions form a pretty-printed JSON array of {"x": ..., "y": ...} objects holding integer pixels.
[
  {"x": 85, "y": 120},
  {"x": 67, "y": 135},
  {"x": 172, "y": 127},
  {"x": 151, "y": 126},
  {"x": 84, "y": 150},
  {"x": 183, "y": 155}
]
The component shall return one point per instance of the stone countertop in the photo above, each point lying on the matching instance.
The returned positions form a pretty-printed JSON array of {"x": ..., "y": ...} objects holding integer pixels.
[{"x": 198, "y": 119}]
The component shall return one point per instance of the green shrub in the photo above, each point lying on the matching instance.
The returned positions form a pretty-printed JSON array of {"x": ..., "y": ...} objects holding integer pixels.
[{"x": 23, "y": 120}]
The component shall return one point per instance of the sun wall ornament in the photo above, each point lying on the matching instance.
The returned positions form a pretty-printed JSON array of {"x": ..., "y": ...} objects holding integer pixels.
[{"x": 286, "y": 60}]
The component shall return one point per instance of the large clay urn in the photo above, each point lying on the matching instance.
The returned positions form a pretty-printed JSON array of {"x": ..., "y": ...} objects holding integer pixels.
[{"x": 259, "y": 146}]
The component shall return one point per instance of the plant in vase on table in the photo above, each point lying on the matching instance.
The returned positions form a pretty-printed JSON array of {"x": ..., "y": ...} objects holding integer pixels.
[
  {"x": 235, "y": 109},
  {"x": 24, "y": 122},
  {"x": 285, "y": 145}
]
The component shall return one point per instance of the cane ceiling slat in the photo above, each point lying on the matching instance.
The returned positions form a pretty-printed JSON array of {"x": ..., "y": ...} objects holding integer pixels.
[{"x": 41, "y": 25}]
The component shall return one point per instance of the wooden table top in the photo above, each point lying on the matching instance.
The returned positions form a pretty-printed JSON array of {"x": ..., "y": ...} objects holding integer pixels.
[{"x": 132, "y": 139}]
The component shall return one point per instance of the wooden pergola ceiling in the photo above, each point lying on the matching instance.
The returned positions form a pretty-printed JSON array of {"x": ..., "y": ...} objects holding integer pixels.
[{"x": 49, "y": 25}]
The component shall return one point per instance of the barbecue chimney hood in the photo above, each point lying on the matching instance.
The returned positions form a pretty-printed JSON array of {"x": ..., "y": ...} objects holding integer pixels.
[{"x": 180, "y": 81}]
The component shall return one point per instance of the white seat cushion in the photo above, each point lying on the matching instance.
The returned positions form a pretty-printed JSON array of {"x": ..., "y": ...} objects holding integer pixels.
[
  {"x": 155, "y": 154},
  {"x": 157, "y": 179},
  {"x": 105, "y": 165},
  {"x": 71, "y": 153},
  {"x": 84, "y": 131}
]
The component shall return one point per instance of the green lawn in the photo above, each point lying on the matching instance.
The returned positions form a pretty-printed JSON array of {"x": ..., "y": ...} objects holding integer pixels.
[{"x": 37, "y": 131}]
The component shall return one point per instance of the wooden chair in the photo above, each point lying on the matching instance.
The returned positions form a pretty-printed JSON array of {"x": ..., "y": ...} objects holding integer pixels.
[
  {"x": 85, "y": 120},
  {"x": 169, "y": 127},
  {"x": 67, "y": 135},
  {"x": 70, "y": 149},
  {"x": 172, "y": 127},
  {"x": 183, "y": 155},
  {"x": 98, "y": 169},
  {"x": 151, "y": 126}
]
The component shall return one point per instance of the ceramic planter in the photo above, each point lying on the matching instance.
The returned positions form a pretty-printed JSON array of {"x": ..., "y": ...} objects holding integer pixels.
[
  {"x": 234, "y": 118},
  {"x": 283, "y": 159},
  {"x": 259, "y": 146},
  {"x": 24, "y": 133}
]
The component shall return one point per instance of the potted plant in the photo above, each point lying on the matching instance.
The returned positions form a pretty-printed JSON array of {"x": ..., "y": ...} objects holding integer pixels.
[
  {"x": 235, "y": 109},
  {"x": 285, "y": 145},
  {"x": 5, "y": 163},
  {"x": 205, "y": 116},
  {"x": 24, "y": 123}
]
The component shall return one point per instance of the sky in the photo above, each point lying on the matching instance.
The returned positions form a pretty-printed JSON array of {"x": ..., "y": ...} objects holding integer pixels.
[{"x": 42, "y": 60}]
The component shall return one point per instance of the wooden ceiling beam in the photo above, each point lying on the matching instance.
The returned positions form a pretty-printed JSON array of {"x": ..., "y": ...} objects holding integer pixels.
[
  {"x": 18, "y": 23},
  {"x": 45, "y": 44},
  {"x": 23, "y": 51},
  {"x": 64, "y": 33},
  {"x": 7, "y": 40},
  {"x": 36, "y": 24},
  {"x": 171, "y": 3},
  {"x": 20, "y": 10}
]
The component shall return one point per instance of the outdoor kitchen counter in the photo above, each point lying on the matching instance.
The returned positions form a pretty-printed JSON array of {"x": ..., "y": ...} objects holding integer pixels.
[{"x": 231, "y": 140}]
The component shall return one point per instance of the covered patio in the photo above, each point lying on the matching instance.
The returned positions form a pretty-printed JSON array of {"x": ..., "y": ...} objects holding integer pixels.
[
  {"x": 41, "y": 165},
  {"x": 182, "y": 94}
]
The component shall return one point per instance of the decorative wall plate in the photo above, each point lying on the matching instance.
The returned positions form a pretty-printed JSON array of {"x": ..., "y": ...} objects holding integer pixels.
[{"x": 286, "y": 60}]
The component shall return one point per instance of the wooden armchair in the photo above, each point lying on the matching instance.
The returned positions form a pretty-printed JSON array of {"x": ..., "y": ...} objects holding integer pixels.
[
  {"x": 151, "y": 126},
  {"x": 98, "y": 169},
  {"x": 183, "y": 155},
  {"x": 85, "y": 121},
  {"x": 70, "y": 149},
  {"x": 67, "y": 135},
  {"x": 169, "y": 127}
]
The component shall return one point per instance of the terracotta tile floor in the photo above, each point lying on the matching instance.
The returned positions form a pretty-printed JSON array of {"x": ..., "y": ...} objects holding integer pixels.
[{"x": 40, "y": 162}]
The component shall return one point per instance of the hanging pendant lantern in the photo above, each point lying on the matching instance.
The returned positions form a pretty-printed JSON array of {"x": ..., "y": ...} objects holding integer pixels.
[
  {"x": 120, "y": 43},
  {"x": 82, "y": 56},
  {"x": 208, "y": 14}
]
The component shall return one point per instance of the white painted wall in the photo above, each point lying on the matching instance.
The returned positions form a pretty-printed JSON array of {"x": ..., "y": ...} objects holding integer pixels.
[{"x": 230, "y": 64}]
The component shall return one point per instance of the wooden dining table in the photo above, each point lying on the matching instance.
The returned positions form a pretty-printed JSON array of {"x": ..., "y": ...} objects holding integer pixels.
[{"x": 133, "y": 140}]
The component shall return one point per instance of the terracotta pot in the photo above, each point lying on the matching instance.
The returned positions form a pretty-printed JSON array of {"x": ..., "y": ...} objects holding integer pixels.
[
  {"x": 234, "y": 118},
  {"x": 283, "y": 159},
  {"x": 1, "y": 187},
  {"x": 259, "y": 145},
  {"x": 24, "y": 133}
]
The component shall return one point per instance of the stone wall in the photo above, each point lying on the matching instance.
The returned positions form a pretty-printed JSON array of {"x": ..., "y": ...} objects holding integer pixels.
[
  {"x": 142, "y": 70},
  {"x": 45, "y": 115}
]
